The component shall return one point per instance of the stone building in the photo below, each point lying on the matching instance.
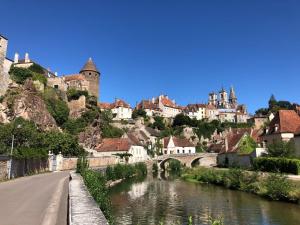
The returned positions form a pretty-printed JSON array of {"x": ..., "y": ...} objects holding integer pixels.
[
  {"x": 5, "y": 65},
  {"x": 86, "y": 80}
]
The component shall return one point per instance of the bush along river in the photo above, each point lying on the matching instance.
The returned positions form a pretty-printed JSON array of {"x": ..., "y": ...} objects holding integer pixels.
[{"x": 166, "y": 199}]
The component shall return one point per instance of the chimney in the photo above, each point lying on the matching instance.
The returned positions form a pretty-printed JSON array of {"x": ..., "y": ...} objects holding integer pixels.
[
  {"x": 27, "y": 60},
  {"x": 153, "y": 100},
  {"x": 267, "y": 130},
  {"x": 56, "y": 74},
  {"x": 276, "y": 127},
  {"x": 16, "y": 59}
]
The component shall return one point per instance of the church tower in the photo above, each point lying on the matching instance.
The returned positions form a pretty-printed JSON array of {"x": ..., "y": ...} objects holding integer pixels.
[
  {"x": 212, "y": 99},
  {"x": 92, "y": 75},
  {"x": 223, "y": 99},
  {"x": 232, "y": 98}
]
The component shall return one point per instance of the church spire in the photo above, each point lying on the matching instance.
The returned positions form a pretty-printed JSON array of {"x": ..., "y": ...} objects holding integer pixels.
[{"x": 232, "y": 96}]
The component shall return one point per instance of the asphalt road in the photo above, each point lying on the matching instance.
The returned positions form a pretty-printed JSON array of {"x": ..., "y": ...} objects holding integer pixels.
[{"x": 35, "y": 200}]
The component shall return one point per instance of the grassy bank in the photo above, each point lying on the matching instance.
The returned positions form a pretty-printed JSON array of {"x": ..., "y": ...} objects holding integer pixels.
[
  {"x": 96, "y": 182},
  {"x": 274, "y": 186}
]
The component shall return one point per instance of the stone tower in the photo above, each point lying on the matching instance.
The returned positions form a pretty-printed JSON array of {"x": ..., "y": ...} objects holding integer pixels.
[
  {"x": 92, "y": 75},
  {"x": 223, "y": 99},
  {"x": 232, "y": 98},
  {"x": 212, "y": 99},
  {"x": 4, "y": 77}
]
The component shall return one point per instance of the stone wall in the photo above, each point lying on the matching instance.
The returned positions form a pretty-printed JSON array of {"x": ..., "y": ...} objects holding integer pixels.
[
  {"x": 77, "y": 106},
  {"x": 94, "y": 162},
  {"x": 3, "y": 167}
]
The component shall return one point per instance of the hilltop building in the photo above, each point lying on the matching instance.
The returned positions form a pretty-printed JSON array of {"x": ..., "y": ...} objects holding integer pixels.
[
  {"x": 120, "y": 109},
  {"x": 161, "y": 105},
  {"x": 86, "y": 80}
]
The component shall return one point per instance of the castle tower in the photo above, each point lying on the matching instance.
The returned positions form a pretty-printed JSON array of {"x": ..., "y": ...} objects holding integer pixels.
[
  {"x": 212, "y": 99},
  {"x": 92, "y": 75},
  {"x": 4, "y": 65},
  {"x": 232, "y": 98},
  {"x": 223, "y": 98}
]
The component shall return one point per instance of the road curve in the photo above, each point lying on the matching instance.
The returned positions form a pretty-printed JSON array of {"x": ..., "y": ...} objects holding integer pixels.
[{"x": 35, "y": 200}]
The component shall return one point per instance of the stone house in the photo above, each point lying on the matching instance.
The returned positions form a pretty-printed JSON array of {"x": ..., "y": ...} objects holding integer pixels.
[
  {"x": 285, "y": 126},
  {"x": 196, "y": 111},
  {"x": 174, "y": 145},
  {"x": 149, "y": 107},
  {"x": 113, "y": 146},
  {"x": 259, "y": 121},
  {"x": 120, "y": 109}
]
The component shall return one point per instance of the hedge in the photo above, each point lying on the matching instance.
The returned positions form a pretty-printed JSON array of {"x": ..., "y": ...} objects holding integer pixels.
[{"x": 283, "y": 165}]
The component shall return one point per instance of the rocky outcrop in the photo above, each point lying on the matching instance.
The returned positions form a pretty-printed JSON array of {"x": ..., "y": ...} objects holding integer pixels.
[
  {"x": 91, "y": 136},
  {"x": 26, "y": 102}
]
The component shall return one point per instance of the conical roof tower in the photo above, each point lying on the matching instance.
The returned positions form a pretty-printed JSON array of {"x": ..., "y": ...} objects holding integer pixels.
[{"x": 89, "y": 66}]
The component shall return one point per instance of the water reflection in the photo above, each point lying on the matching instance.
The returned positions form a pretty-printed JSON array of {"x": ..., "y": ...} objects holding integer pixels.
[{"x": 165, "y": 199}]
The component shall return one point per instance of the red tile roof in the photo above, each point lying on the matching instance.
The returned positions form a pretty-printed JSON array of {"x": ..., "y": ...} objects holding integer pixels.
[
  {"x": 194, "y": 107},
  {"x": 178, "y": 142},
  {"x": 286, "y": 121},
  {"x": 120, "y": 103},
  {"x": 73, "y": 77},
  {"x": 147, "y": 104},
  {"x": 104, "y": 105},
  {"x": 167, "y": 102},
  {"x": 113, "y": 144}
]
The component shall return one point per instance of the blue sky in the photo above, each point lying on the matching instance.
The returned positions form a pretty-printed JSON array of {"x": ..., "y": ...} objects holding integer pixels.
[{"x": 181, "y": 48}]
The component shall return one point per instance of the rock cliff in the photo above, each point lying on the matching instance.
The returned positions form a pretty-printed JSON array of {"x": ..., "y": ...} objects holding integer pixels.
[{"x": 26, "y": 102}]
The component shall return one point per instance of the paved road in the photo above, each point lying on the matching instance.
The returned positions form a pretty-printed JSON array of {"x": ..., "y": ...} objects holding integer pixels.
[{"x": 35, "y": 200}]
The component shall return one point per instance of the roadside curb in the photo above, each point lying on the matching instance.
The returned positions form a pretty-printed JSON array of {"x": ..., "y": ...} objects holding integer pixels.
[{"x": 83, "y": 210}]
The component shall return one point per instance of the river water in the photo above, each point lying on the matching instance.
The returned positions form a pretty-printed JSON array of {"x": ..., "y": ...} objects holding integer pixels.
[{"x": 171, "y": 201}]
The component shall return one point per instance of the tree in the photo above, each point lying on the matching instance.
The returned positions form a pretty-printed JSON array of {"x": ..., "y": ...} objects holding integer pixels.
[
  {"x": 36, "y": 68},
  {"x": 262, "y": 111},
  {"x": 159, "y": 123},
  {"x": 181, "y": 119},
  {"x": 281, "y": 148},
  {"x": 139, "y": 113},
  {"x": 74, "y": 94},
  {"x": 272, "y": 102},
  {"x": 247, "y": 145},
  {"x": 57, "y": 142},
  {"x": 19, "y": 75},
  {"x": 56, "y": 106}
]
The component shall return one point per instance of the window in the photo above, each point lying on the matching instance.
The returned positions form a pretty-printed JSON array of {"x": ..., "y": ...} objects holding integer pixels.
[
  {"x": 183, "y": 151},
  {"x": 90, "y": 73},
  {"x": 177, "y": 151},
  {"x": 56, "y": 86},
  {"x": 190, "y": 151}
]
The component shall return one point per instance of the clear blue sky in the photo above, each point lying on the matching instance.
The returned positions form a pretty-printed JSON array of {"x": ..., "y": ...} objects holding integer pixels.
[{"x": 181, "y": 48}]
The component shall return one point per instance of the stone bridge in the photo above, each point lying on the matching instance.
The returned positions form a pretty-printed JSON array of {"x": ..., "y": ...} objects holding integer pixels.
[{"x": 189, "y": 160}]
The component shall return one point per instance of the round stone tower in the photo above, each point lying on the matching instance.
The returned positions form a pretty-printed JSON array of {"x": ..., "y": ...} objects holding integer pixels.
[{"x": 92, "y": 75}]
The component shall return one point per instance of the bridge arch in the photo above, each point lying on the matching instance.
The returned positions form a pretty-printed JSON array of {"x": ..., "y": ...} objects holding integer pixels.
[
  {"x": 196, "y": 161},
  {"x": 161, "y": 164}
]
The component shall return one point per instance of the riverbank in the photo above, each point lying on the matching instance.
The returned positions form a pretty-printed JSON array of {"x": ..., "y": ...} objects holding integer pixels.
[
  {"x": 98, "y": 184},
  {"x": 272, "y": 186}
]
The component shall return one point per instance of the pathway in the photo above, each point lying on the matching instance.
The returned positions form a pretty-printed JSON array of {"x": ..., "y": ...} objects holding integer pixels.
[{"x": 35, "y": 200}]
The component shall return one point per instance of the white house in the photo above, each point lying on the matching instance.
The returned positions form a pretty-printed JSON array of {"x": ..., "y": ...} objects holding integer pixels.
[
  {"x": 196, "y": 111},
  {"x": 174, "y": 145},
  {"x": 211, "y": 112},
  {"x": 168, "y": 107},
  {"x": 120, "y": 109},
  {"x": 149, "y": 107},
  {"x": 113, "y": 146}
]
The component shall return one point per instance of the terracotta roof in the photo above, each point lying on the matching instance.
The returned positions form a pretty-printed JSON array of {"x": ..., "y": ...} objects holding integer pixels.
[
  {"x": 113, "y": 144},
  {"x": 133, "y": 140},
  {"x": 89, "y": 66},
  {"x": 286, "y": 121},
  {"x": 167, "y": 102},
  {"x": 194, "y": 107},
  {"x": 72, "y": 77},
  {"x": 211, "y": 107},
  {"x": 178, "y": 142},
  {"x": 147, "y": 104},
  {"x": 120, "y": 103},
  {"x": 104, "y": 105}
]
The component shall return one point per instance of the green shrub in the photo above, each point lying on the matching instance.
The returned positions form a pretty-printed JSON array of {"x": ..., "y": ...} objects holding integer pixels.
[
  {"x": 96, "y": 184},
  {"x": 82, "y": 163},
  {"x": 41, "y": 78},
  {"x": 58, "y": 109},
  {"x": 282, "y": 165},
  {"x": 277, "y": 187},
  {"x": 74, "y": 94},
  {"x": 19, "y": 75},
  {"x": 232, "y": 178},
  {"x": 174, "y": 165},
  {"x": 36, "y": 68},
  {"x": 124, "y": 171}
]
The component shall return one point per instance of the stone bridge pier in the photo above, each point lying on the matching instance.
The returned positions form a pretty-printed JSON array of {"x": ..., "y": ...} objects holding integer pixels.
[{"x": 189, "y": 160}]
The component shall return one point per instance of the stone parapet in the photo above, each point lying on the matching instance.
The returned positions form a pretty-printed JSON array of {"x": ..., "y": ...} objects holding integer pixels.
[{"x": 83, "y": 210}]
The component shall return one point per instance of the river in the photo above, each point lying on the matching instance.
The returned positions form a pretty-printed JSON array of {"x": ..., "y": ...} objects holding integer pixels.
[{"x": 171, "y": 201}]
